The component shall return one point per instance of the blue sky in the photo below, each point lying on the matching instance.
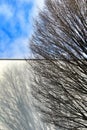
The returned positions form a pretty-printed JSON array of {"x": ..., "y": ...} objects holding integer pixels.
[{"x": 16, "y": 26}]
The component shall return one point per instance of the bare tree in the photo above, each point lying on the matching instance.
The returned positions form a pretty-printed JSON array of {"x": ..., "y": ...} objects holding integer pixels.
[
  {"x": 16, "y": 111},
  {"x": 60, "y": 43}
]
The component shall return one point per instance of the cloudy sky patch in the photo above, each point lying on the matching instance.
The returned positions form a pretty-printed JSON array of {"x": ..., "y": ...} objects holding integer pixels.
[{"x": 16, "y": 26}]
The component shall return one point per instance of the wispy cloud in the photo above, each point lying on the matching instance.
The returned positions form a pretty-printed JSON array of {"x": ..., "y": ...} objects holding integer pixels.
[
  {"x": 6, "y": 11},
  {"x": 16, "y": 26},
  {"x": 39, "y": 3},
  {"x": 18, "y": 49}
]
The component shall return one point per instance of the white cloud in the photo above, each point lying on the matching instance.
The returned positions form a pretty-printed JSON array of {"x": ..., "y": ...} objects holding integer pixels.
[
  {"x": 21, "y": 18},
  {"x": 32, "y": 14},
  {"x": 23, "y": 1},
  {"x": 39, "y": 3},
  {"x": 6, "y": 10},
  {"x": 19, "y": 48}
]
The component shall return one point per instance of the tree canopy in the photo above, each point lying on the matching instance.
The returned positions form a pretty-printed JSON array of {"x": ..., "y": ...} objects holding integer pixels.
[{"x": 59, "y": 42}]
